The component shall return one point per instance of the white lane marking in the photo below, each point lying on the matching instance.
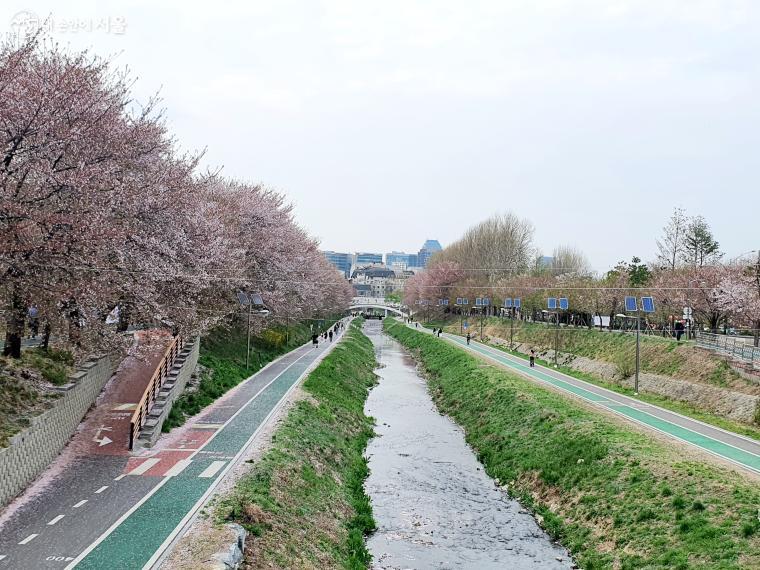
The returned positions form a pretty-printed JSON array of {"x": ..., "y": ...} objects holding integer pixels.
[
  {"x": 55, "y": 520},
  {"x": 2, "y": 556},
  {"x": 165, "y": 480},
  {"x": 120, "y": 477},
  {"x": 80, "y": 503},
  {"x": 103, "y": 488},
  {"x": 126, "y": 407},
  {"x": 178, "y": 467},
  {"x": 144, "y": 466},
  {"x": 212, "y": 469},
  {"x": 29, "y": 539}
]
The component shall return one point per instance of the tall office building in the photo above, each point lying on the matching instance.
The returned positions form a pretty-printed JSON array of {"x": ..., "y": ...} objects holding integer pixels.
[
  {"x": 426, "y": 252},
  {"x": 401, "y": 259},
  {"x": 341, "y": 261},
  {"x": 366, "y": 258}
]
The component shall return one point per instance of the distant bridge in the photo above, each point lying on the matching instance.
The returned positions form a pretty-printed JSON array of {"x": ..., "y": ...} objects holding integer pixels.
[{"x": 360, "y": 303}]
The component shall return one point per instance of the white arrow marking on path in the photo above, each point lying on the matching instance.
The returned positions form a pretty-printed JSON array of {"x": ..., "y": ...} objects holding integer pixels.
[{"x": 105, "y": 441}]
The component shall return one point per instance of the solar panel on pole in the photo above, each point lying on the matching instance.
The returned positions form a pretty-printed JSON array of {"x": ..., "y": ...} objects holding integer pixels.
[
  {"x": 647, "y": 304},
  {"x": 243, "y": 298},
  {"x": 551, "y": 303},
  {"x": 508, "y": 303},
  {"x": 486, "y": 301},
  {"x": 564, "y": 304},
  {"x": 630, "y": 304},
  {"x": 517, "y": 302}
]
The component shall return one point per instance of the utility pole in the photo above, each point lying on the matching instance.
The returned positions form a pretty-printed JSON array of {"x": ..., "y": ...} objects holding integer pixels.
[
  {"x": 638, "y": 353},
  {"x": 248, "y": 348},
  {"x": 511, "y": 328}
]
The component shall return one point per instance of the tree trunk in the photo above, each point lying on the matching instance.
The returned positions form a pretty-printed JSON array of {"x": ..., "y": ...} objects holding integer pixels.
[
  {"x": 756, "y": 334},
  {"x": 125, "y": 310},
  {"x": 45, "y": 336},
  {"x": 15, "y": 326}
]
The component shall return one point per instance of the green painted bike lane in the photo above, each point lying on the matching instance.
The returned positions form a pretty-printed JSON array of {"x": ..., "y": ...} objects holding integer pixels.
[
  {"x": 139, "y": 536},
  {"x": 726, "y": 451}
]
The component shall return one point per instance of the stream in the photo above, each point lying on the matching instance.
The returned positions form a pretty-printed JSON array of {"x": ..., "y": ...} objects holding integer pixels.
[{"x": 433, "y": 503}]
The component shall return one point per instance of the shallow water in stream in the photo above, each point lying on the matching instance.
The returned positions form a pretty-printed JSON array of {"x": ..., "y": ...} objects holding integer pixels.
[{"x": 433, "y": 503}]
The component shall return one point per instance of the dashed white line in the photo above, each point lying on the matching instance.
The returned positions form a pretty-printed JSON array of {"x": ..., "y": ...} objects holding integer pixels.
[
  {"x": 212, "y": 469},
  {"x": 55, "y": 520},
  {"x": 144, "y": 466},
  {"x": 120, "y": 477},
  {"x": 178, "y": 467},
  {"x": 80, "y": 503},
  {"x": 103, "y": 488},
  {"x": 29, "y": 539}
]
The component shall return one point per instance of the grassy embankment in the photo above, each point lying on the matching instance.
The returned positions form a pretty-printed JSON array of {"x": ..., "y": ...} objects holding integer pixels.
[
  {"x": 304, "y": 500},
  {"x": 659, "y": 355},
  {"x": 688, "y": 363},
  {"x": 222, "y": 356},
  {"x": 616, "y": 497},
  {"x": 26, "y": 387}
]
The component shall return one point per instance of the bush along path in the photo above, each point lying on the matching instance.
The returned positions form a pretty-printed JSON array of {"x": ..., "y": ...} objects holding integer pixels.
[
  {"x": 222, "y": 365},
  {"x": 615, "y": 497},
  {"x": 304, "y": 501}
]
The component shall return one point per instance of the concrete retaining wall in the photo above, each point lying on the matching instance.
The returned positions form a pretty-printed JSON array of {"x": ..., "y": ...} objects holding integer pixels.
[
  {"x": 31, "y": 450},
  {"x": 181, "y": 371}
]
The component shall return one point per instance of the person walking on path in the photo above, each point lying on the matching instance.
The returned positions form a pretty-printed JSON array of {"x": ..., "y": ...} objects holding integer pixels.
[
  {"x": 34, "y": 321},
  {"x": 532, "y": 358},
  {"x": 330, "y": 335},
  {"x": 468, "y": 338},
  {"x": 315, "y": 340}
]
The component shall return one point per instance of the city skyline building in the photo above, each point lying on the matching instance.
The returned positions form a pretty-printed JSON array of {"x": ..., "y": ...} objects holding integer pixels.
[{"x": 427, "y": 250}]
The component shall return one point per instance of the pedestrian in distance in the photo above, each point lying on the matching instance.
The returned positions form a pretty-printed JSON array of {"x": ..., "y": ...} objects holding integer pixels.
[
  {"x": 330, "y": 335},
  {"x": 468, "y": 338},
  {"x": 315, "y": 340},
  {"x": 440, "y": 332},
  {"x": 34, "y": 321},
  {"x": 532, "y": 358}
]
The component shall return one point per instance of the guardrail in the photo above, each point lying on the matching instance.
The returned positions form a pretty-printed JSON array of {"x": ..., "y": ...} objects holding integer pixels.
[
  {"x": 153, "y": 388},
  {"x": 732, "y": 346}
]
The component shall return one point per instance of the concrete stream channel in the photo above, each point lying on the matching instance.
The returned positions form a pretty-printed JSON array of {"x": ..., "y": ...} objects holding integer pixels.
[{"x": 433, "y": 503}]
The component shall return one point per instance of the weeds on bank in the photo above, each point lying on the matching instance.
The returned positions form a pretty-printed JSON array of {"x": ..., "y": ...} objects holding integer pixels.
[
  {"x": 614, "y": 496},
  {"x": 304, "y": 500}
]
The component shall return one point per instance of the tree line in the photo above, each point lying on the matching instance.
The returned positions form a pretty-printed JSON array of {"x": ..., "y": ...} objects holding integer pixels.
[
  {"x": 497, "y": 259},
  {"x": 101, "y": 213}
]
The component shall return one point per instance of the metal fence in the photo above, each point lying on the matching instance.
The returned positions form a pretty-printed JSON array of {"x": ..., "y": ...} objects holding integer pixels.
[{"x": 737, "y": 347}]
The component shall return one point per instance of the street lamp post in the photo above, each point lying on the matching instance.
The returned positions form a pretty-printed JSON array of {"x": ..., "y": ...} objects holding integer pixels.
[
  {"x": 252, "y": 300},
  {"x": 632, "y": 306}
]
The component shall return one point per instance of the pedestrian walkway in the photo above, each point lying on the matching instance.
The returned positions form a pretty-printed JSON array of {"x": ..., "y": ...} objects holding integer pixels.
[
  {"x": 739, "y": 450},
  {"x": 121, "y": 510}
]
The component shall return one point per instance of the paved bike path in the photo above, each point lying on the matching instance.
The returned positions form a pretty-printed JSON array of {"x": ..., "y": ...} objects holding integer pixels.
[
  {"x": 139, "y": 538},
  {"x": 88, "y": 511},
  {"x": 737, "y": 449}
]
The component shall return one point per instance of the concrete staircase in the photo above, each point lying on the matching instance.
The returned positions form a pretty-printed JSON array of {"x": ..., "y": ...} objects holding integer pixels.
[{"x": 181, "y": 370}]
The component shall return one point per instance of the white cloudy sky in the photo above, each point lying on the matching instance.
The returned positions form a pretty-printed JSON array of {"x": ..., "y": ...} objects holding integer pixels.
[{"x": 390, "y": 122}]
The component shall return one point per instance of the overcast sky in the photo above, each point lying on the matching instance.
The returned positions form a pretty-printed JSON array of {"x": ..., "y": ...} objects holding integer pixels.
[{"x": 387, "y": 123}]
